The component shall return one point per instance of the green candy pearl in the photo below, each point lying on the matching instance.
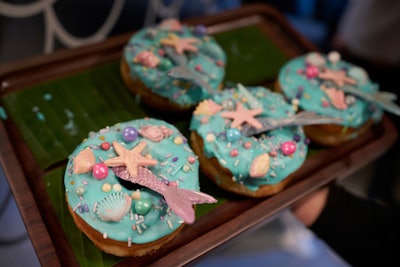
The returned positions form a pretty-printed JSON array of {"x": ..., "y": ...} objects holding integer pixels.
[
  {"x": 165, "y": 64},
  {"x": 143, "y": 206}
]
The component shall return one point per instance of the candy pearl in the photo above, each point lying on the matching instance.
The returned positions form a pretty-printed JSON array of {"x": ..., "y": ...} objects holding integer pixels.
[
  {"x": 311, "y": 72},
  {"x": 100, "y": 171},
  {"x": 200, "y": 30},
  {"x": 296, "y": 138},
  {"x": 288, "y": 148},
  {"x": 105, "y": 145},
  {"x": 106, "y": 187},
  {"x": 273, "y": 153},
  {"x": 210, "y": 137},
  {"x": 233, "y": 134},
  {"x": 186, "y": 168},
  {"x": 191, "y": 159},
  {"x": 334, "y": 57},
  {"x": 129, "y": 134},
  {"x": 135, "y": 195},
  {"x": 178, "y": 140},
  {"x": 247, "y": 145},
  {"x": 234, "y": 153},
  {"x": 219, "y": 63},
  {"x": 143, "y": 206},
  {"x": 325, "y": 103},
  {"x": 198, "y": 68},
  {"x": 117, "y": 187},
  {"x": 80, "y": 191}
]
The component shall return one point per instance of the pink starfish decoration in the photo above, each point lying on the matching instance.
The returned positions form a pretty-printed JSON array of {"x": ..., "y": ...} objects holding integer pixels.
[
  {"x": 130, "y": 158},
  {"x": 180, "y": 44},
  {"x": 337, "y": 76},
  {"x": 242, "y": 115}
]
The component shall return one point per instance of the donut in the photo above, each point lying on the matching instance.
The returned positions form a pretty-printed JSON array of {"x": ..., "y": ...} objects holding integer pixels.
[
  {"x": 256, "y": 165},
  {"x": 132, "y": 187},
  {"x": 328, "y": 85},
  {"x": 153, "y": 53}
]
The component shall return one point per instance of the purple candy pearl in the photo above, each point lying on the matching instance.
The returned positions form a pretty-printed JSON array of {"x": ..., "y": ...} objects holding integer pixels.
[{"x": 129, "y": 134}]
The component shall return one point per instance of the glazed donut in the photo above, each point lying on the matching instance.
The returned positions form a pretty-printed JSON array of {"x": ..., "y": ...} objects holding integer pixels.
[
  {"x": 258, "y": 165},
  {"x": 321, "y": 83},
  {"x": 131, "y": 187},
  {"x": 151, "y": 54}
]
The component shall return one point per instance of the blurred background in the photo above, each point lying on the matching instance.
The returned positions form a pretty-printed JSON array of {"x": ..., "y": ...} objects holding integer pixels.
[{"x": 31, "y": 28}]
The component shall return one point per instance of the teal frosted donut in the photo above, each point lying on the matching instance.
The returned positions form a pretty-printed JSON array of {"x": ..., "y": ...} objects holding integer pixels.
[
  {"x": 248, "y": 165},
  {"x": 126, "y": 184},
  {"x": 315, "y": 82},
  {"x": 330, "y": 86},
  {"x": 153, "y": 51}
]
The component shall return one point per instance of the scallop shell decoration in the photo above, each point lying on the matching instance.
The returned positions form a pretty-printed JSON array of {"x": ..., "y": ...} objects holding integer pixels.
[
  {"x": 155, "y": 133},
  {"x": 316, "y": 59},
  {"x": 260, "y": 166},
  {"x": 114, "y": 207},
  {"x": 207, "y": 107},
  {"x": 84, "y": 161}
]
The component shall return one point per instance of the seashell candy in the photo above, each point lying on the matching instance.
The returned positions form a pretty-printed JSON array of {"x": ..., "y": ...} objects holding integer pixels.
[
  {"x": 207, "y": 107},
  {"x": 260, "y": 166},
  {"x": 114, "y": 207},
  {"x": 84, "y": 161},
  {"x": 155, "y": 133}
]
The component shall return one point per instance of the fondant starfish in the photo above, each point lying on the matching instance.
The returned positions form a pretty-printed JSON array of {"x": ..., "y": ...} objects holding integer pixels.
[
  {"x": 242, "y": 115},
  {"x": 180, "y": 44},
  {"x": 337, "y": 76},
  {"x": 132, "y": 159}
]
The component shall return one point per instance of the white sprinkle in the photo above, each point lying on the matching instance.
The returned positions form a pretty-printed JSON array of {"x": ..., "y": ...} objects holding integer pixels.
[
  {"x": 77, "y": 206},
  {"x": 105, "y": 235},
  {"x": 223, "y": 161},
  {"x": 136, "y": 216},
  {"x": 129, "y": 241},
  {"x": 229, "y": 144},
  {"x": 139, "y": 229},
  {"x": 236, "y": 162},
  {"x": 85, "y": 182},
  {"x": 164, "y": 163},
  {"x": 144, "y": 226},
  {"x": 168, "y": 155},
  {"x": 187, "y": 149},
  {"x": 169, "y": 224},
  {"x": 94, "y": 207},
  {"x": 131, "y": 215},
  {"x": 139, "y": 221}
]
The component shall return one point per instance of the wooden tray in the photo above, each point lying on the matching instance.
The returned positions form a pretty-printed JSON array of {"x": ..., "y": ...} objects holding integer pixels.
[{"x": 227, "y": 221}]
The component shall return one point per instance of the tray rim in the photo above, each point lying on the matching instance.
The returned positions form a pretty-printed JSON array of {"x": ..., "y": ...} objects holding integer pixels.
[{"x": 17, "y": 178}]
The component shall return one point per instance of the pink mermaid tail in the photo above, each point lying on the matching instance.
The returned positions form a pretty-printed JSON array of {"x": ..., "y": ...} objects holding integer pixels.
[{"x": 178, "y": 199}]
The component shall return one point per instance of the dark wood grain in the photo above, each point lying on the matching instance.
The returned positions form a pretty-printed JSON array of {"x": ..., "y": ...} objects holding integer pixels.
[{"x": 220, "y": 226}]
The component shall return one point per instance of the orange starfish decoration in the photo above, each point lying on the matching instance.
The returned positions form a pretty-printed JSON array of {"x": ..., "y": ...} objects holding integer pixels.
[
  {"x": 130, "y": 158},
  {"x": 242, "y": 115},
  {"x": 180, "y": 44},
  {"x": 337, "y": 76}
]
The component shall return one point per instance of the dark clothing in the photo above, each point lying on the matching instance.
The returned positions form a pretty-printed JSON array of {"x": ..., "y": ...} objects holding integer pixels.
[{"x": 363, "y": 232}]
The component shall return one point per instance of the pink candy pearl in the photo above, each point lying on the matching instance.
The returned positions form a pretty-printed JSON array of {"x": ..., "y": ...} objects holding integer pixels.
[
  {"x": 234, "y": 153},
  {"x": 288, "y": 148},
  {"x": 311, "y": 72},
  {"x": 191, "y": 159},
  {"x": 100, "y": 171}
]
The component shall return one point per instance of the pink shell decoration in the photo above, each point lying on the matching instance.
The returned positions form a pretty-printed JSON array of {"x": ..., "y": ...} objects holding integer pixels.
[
  {"x": 171, "y": 24},
  {"x": 207, "y": 107},
  {"x": 114, "y": 207},
  {"x": 260, "y": 166},
  {"x": 337, "y": 98},
  {"x": 147, "y": 58},
  {"x": 84, "y": 161},
  {"x": 155, "y": 133}
]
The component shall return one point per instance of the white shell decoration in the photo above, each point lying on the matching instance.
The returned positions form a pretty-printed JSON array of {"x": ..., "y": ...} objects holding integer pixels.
[
  {"x": 155, "y": 133},
  {"x": 207, "y": 107},
  {"x": 260, "y": 166},
  {"x": 114, "y": 207},
  {"x": 84, "y": 161},
  {"x": 359, "y": 74},
  {"x": 316, "y": 59}
]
